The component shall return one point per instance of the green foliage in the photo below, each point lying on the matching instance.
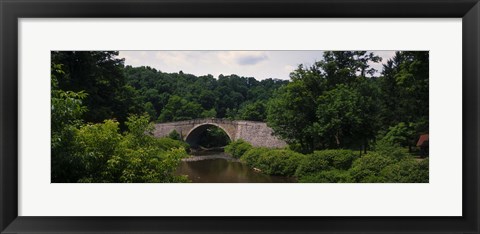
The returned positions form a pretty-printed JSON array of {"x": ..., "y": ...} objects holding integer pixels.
[
  {"x": 101, "y": 75},
  {"x": 404, "y": 83},
  {"x": 166, "y": 143},
  {"x": 339, "y": 116},
  {"x": 367, "y": 168},
  {"x": 237, "y": 148},
  {"x": 327, "y": 176},
  {"x": 104, "y": 155},
  {"x": 66, "y": 111},
  {"x": 178, "y": 109},
  {"x": 175, "y": 135},
  {"x": 151, "y": 166},
  {"x": 253, "y": 111},
  {"x": 66, "y": 106},
  {"x": 212, "y": 113},
  {"x": 386, "y": 147},
  {"x": 324, "y": 160},
  {"x": 97, "y": 144},
  {"x": 407, "y": 170},
  {"x": 291, "y": 115},
  {"x": 335, "y": 166},
  {"x": 212, "y": 137},
  {"x": 216, "y": 97},
  {"x": 273, "y": 161},
  {"x": 251, "y": 156},
  {"x": 339, "y": 103},
  {"x": 139, "y": 126},
  {"x": 329, "y": 105},
  {"x": 344, "y": 67},
  {"x": 148, "y": 107},
  {"x": 402, "y": 134}
]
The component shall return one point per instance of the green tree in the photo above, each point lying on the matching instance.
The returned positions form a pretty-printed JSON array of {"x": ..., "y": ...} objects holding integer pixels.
[
  {"x": 339, "y": 114},
  {"x": 344, "y": 67},
  {"x": 101, "y": 75},
  {"x": 66, "y": 111},
  {"x": 405, "y": 96},
  {"x": 253, "y": 111},
  {"x": 150, "y": 110},
  {"x": 178, "y": 109},
  {"x": 134, "y": 156},
  {"x": 212, "y": 113},
  {"x": 308, "y": 112},
  {"x": 291, "y": 114}
]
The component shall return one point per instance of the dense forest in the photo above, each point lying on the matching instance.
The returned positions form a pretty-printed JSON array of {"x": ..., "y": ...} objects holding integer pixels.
[{"x": 337, "y": 109}]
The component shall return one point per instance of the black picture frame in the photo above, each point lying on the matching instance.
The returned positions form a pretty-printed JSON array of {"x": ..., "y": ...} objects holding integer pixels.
[{"x": 12, "y": 10}]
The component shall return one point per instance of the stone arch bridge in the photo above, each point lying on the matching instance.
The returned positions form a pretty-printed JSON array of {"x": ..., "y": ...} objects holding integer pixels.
[{"x": 256, "y": 133}]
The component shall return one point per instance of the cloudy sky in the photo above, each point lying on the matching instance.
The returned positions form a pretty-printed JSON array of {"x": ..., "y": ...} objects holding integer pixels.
[{"x": 258, "y": 64}]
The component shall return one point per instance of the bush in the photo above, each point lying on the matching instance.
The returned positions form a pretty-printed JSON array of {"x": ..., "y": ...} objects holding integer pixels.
[
  {"x": 326, "y": 160},
  {"x": 273, "y": 161},
  {"x": 402, "y": 134},
  {"x": 367, "y": 168},
  {"x": 107, "y": 156},
  {"x": 174, "y": 135},
  {"x": 150, "y": 165},
  {"x": 279, "y": 162},
  {"x": 406, "y": 170},
  {"x": 237, "y": 148},
  {"x": 166, "y": 143},
  {"x": 384, "y": 147},
  {"x": 331, "y": 176},
  {"x": 95, "y": 145},
  {"x": 251, "y": 156}
]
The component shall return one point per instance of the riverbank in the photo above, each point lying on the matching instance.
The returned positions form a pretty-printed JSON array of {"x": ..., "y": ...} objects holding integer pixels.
[
  {"x": 221, "y": 155},
  {"x": 220, "y": 167}
]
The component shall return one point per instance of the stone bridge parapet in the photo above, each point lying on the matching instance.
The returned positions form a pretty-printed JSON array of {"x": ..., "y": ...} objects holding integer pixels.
[{"x": 256, "y": 133}]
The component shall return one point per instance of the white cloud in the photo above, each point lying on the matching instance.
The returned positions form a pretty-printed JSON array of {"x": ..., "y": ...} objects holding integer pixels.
[
  {"x": 242, "y": 57},
  {"x": 258, "y": 64}
]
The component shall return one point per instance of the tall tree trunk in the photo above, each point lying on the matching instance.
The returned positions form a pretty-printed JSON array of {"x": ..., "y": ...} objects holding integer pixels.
[
  {"x": 365, "y": 145},
  {"x": 337, "y": 139}
]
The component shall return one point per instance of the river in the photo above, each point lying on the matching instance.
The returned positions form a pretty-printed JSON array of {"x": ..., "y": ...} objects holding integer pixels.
[{"x": 219, "y": 167}]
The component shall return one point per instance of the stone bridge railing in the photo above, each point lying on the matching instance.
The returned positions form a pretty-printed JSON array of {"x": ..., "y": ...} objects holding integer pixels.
[{"x": 256, "y": 133}]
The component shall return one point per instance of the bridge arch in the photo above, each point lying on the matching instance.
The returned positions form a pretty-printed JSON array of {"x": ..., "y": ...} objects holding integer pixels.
[
  {"x": 192, "y": 137},
  {"x": 256, "y": 133}
]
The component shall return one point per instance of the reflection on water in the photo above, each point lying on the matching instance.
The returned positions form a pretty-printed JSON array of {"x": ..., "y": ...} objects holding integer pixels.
[{"x": 220, "y": 168}]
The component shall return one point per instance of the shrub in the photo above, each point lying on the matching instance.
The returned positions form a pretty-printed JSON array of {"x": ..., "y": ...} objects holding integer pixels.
[
  {"x": 166, "y": 143},
  {"x": 367, "y": 168},
  {"x": 406, "y": 170},
  {"x": 402, "y": 134},
  {"x": 237, "y": 148},
  {"x": 251, "y": 156},
  {"x": 150, "y": 165},
  {"x": 384, "y": 147},
  {"x": 326, "y": 160},
  {"x": 135, "y": 156},
  {"x": 279, "y": 162},
  {"x": 174, "y": 135},
  {"x": 331, "y": 176},
  {"x": 96, "y": 144}
]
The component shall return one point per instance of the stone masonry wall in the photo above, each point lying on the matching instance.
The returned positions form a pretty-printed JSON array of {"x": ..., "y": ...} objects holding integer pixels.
[{"x": 256, "y": 133}]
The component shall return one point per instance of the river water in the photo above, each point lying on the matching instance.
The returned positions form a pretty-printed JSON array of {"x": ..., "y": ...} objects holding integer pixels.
[{"x": 219, "y": 167}]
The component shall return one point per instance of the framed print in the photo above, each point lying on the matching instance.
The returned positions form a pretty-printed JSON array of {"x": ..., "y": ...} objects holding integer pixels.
[{"x": 228, "y": 116}]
